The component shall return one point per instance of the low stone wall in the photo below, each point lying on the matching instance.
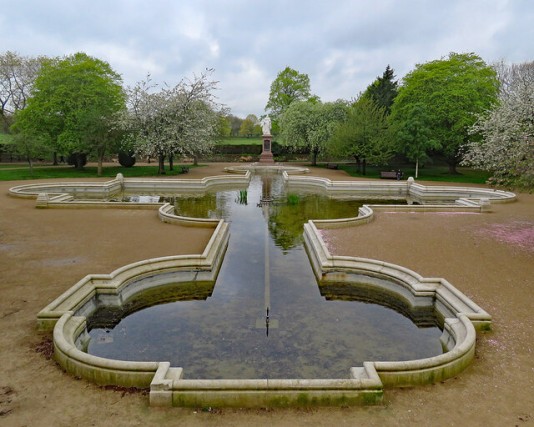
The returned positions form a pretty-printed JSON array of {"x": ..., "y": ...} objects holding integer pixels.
[
  {"x": 461, "y": 316},
  {"x": 82, "y": 297},
  {"x": 67, "y": 314},
  {"x": 409, "y": 190},
  {"x": 363, "y": 385},
  {"x": 101, "y": 195}
]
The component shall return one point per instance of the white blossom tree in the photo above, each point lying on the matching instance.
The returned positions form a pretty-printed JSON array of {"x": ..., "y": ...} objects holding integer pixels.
[
  {"x": 311, "y": 124},
  {"x": 174, "y": 121},
  {"x": 505, "y": 143},
  {"x": 17, "y": 74}
]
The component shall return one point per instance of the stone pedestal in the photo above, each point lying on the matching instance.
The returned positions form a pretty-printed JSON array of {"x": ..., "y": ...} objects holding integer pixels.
[{"x": 266, "y": 153}]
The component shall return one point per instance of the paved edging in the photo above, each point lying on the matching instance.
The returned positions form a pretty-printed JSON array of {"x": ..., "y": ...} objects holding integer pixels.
[{"x": 364, "y": 385}]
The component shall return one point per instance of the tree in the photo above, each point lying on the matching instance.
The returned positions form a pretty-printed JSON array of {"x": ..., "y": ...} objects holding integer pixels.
[
  {"x": 414, "y": 135},
  {"x": 383, "y": 90},
  {"x": 30, "y": 146},
  {"x": 288, "y": 87},
  {"x": 450, "y": 92},
  {"x": 502, "y": 139},
  {"x": 235, "y": 124},
  {"x": 311, "y": 124},
  {"x": 182, "y": 120},
  {"x": 225, "y": 126},
  {"x": 249, "y": 126},
  {"x": 72, "y": 106},
  {"x": 363, "y": 135},
  {"x": 17, "y": 74}
]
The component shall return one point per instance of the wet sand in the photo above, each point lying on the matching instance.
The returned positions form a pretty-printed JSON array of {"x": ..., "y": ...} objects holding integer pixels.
[{"x": 489, "y": 257}]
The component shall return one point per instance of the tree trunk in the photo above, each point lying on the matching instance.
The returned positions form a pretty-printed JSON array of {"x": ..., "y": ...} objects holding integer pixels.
[
  {"x": 364, "y": 166},
  {"x": 161, "y": 167},
  {"x": 54, "y": 160},
  {"x": 171, "y": 162},
  {"x": 30, "y": 164},
  {"x": 314, "y": 157},
  {"x": 417, "y": 168},
  {"x": 195, "y": 160},
  {"x": 452, "y": 167},
  {"x": 100, "y": 153},
  {"x": 100, "y": 161},
  {"x": 79, "y": 161},
  {"x": 358, "y": 164}
]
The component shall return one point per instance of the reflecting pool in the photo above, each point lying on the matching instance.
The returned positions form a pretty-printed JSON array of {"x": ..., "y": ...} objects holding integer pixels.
[{"x": 265, "y": 316}]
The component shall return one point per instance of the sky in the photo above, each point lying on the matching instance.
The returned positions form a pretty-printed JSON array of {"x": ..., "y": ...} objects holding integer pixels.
[{"x": 342, "y": 45}]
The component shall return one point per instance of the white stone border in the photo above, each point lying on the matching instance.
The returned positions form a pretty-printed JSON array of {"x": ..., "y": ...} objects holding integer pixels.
[
  {"x": 365, "y": 384},
  {"x": 292, "y": 170},
  {"x": 462, "y": 317},
  {"x": 97, "y": 194}
]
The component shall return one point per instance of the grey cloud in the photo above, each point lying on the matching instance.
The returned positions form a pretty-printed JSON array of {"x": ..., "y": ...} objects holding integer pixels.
[{"x": 341, "y": 45}]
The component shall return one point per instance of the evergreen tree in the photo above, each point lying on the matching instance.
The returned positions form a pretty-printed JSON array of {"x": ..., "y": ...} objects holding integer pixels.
[{"x": 383, "y": 90}]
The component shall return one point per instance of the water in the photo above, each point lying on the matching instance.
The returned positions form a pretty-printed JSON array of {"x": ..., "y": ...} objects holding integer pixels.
[{"x": 228, "y": 335}]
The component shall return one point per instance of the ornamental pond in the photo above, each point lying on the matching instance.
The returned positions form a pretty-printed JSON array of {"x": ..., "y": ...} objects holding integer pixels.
[{"x": 266, "y": 315}]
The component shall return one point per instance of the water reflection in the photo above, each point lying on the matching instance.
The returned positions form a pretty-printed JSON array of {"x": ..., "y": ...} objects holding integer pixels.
[{"x": 266, "y": 316}]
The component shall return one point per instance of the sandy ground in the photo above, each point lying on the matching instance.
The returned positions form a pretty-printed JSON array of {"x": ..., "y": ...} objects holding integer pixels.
[{"x": 490, "y": 257}]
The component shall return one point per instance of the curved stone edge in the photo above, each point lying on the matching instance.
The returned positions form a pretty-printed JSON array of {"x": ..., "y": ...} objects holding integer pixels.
[
  {"x": 64, "y": 194},
  {"x": 181, "y": 268},
  {"x": 409, "y": 189},
  {"x": 66, "y": 314},
  {"x": 167, "y": 386},
  {"x": 461, "y": 316},
  {"x": 467, "y": 199},
  {"x": 99, "y": 370},
  {"x": 293, "y": 170},
  {"x": 365, "y": 385}
]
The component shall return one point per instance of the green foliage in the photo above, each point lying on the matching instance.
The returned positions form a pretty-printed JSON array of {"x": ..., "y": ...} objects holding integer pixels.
[
  {"x": 383, "y": 90},
  {"x": 293, "y": 199},
  {"x": 235, "y": 125},
  {"x": 288, "y": 87},
  {"x": 6, "y": 138},
  {"x": 72, "y": 106},
  {"x": 414, "y": 135},
  {"x": 363, "y": 135},
  {"x": 439, "y": 173},
  {"x": 311, "y": 124},
  {"x": 16, "y": 172},
  {"x": 242, "y": 197},
  {"x": 449, "y": 92},
  {"x": 224, "y": 126},
  {"x": 250, "y": 127},
  {"x": 240, "y": 141}
]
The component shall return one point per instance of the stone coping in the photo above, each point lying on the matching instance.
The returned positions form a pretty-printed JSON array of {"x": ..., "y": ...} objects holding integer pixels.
[
  {"x": 101, "y": 194},
  {"x": 461, "y": 316},
  {"x": 136, "y": 277},
  {"x": 432, "y": 198},
  {"x": 409, "y": 189},
  {"x": 278, "y": 167},
  {"x": 363, "y": 385}
]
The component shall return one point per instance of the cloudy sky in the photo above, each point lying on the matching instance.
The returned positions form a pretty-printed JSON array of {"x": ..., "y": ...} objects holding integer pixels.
[{"x": 343, "y": 45}]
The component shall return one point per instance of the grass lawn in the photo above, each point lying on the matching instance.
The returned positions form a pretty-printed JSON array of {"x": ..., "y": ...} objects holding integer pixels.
[
  {"x": 428, "y": 173},
  {"x": 22, "y": 171},
  {"x": 240, "y": 141}
]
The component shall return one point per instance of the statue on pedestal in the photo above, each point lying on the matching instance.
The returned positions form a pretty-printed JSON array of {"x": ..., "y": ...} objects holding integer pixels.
[{"x": 266, "y": 125}]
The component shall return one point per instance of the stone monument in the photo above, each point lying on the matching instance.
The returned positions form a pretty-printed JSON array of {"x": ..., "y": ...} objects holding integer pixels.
[{"x": 266, "y": 153}]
